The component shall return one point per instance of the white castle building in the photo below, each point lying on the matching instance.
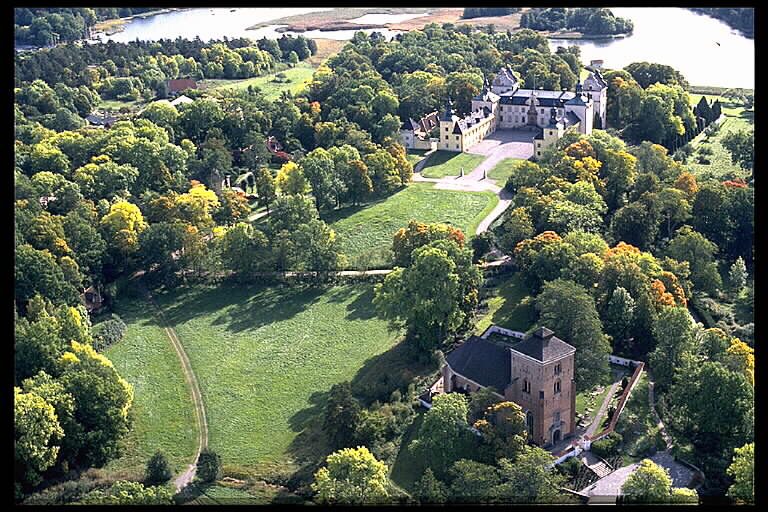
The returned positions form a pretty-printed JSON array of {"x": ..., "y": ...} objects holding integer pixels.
[{"x": 504, "y": 105}]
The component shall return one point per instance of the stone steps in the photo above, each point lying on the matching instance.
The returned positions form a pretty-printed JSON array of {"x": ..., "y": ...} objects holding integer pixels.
[{"x": 601, "y": 469}]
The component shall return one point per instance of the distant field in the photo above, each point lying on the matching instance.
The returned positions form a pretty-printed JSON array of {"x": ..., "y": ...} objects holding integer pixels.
[
  {"x": 720, "y": 166},
  {"x": 265, "y": 357},
  {"x": 448, "y": 163},
  {"x": 162, "y": 407},
  {"x": 298, "y": 76},
  {"x": 365, "y": 232}
]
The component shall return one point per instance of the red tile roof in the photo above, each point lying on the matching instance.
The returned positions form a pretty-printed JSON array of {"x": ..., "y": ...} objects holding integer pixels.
[{"x": 181, "y": 84}]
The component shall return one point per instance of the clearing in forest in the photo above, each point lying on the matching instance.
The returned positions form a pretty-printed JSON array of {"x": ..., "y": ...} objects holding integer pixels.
[
  {"x": 365, "y": 232},
  {"x": 265, "y": 358}
]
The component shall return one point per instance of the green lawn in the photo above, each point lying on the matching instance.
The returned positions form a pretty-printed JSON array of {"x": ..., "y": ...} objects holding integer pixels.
[
  {"x": 298, "y": 76},
  {"x": 162, "y": 407},
  {"x": 266, "y": 357},
  {"x": 415, "y": 155},
  {"x": 720, "y": 167},
  {"x": 511, "y": 307},
  {"x": 503, "y": 170},
  {"x": 449, "y": 163},
  {"x": 365, "y": 232}
]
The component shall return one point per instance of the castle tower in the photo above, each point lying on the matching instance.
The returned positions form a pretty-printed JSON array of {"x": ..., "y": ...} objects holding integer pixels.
[
  {"x": 597, "y": 89},
  {"x": 448, "y": 139},
  {"x": 583, "y": 107},
  {"x": 532, "y": 113},
  {"x": 542, "y": 371},
  {"x": 505, "y": 83}
]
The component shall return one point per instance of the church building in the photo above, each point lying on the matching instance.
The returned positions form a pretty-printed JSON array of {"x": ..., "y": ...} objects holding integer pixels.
[{"x": 537, "y": 373}]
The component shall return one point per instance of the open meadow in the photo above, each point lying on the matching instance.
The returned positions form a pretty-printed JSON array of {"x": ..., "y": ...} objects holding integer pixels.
[
  {"x": 365, "y": 232},
  {"x": 265, "y": 358},
  {"x": 295, "y": 80},
  {"x": 163, "y": 414}
]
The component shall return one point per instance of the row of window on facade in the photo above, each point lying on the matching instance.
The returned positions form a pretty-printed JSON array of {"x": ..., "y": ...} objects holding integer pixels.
[{"x": 527, "y": 388}]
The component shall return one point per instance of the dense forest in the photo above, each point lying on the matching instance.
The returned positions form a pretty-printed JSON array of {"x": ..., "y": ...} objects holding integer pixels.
[
  {"x": 46, "y": 26},
  {"x": 580, "y": 19},
  {"x": 740, "y": 18},
  {"x": 479, "y": 12},
  {"x": 612, "y": 226}
]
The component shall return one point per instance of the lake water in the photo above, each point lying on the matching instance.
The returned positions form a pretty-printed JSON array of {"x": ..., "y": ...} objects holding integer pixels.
[
  {"x": 677, "y": 37},
  {"x": 219, "y": 22}
]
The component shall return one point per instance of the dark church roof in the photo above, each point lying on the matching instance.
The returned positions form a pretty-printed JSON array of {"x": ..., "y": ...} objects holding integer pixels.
[
  {"x": 544, "y": 98},
  {"x": 543, "y": 346},
  {"x": 484, "y": 362}
]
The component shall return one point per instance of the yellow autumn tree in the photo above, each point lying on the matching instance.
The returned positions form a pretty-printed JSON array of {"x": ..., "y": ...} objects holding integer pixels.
[
  {"x": 291, "y": 180},
  {"x": 122, "y": 226}
]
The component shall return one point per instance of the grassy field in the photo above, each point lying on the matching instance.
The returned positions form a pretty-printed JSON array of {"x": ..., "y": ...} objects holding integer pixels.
[
  {"x": 503, "y": 170},
  {"x": 365, "y": 232},
  {"x": 298, "y": 76},
  {"x": 511, "y": 307},
  {"x": 720, "y": 167},
  {"x": 415, "y": 155},
  {"x": 162, "y": 407},
  {"x": 266, "y": 357},
  {"x": 449, "y": 163}
]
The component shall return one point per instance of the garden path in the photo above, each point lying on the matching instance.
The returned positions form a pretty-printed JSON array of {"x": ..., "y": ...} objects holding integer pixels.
[
  {"x": 471, "y": 182},
  {"x": 659, "y": 423},
  {"x": 202, "y": 425},
  {"x": 599, "y": 414}
]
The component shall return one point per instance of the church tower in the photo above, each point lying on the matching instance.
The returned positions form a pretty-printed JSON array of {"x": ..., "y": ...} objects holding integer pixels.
[{"x": 542, "y": 371}]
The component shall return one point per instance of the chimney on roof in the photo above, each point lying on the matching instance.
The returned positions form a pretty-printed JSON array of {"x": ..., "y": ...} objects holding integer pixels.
[{"x": 544, "y": 334}]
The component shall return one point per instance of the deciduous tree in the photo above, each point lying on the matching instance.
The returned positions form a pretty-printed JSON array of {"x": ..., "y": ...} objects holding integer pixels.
[
  {"x": 567, "y": 309},
  {"x": 742, "y": 470},
  {"x": 352, "y": 476}
]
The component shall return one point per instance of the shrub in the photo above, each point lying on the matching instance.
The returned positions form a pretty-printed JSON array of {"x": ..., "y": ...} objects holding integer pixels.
[
  {"x": 570, "y": 467},
  {"x": 158, "y": 470},
  {"x": 607, "y": 446},
  {"x": 108, "y": 333},
  {"x": 208, "y": 466}
]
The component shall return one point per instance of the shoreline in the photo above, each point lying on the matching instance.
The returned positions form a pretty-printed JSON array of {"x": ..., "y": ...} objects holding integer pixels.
[
  {"x": 338, "y": 17},
  {"x": 115, "y": 25}
]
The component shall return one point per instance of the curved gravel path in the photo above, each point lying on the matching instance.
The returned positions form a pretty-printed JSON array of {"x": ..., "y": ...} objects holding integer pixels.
[
  {"x": 470, "y": 182},
  {"x": 202, "y": 425}
]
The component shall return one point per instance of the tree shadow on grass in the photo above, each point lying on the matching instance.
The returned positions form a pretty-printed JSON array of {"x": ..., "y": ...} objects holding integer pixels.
[
  {"x": 362, "y": 307},
  {"x": 384, "y": 373},
  {"x": 305, "y": 417},
  {"x": 347, "y": 211},
  {"x": 240, "y": 306}
]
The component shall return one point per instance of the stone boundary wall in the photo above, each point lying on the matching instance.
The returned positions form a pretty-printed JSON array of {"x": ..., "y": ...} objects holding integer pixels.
[
  {"x": 622, "y": 402},
  {"x": 505, "y": 332}
]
